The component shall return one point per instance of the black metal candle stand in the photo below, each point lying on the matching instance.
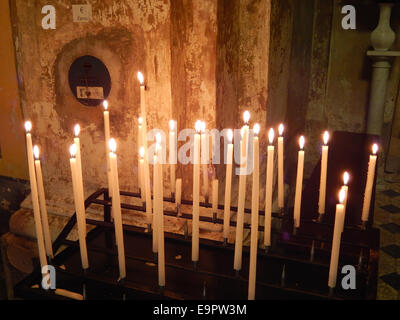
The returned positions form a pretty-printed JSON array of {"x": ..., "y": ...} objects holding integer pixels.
[{"x": 296, "y": 266}]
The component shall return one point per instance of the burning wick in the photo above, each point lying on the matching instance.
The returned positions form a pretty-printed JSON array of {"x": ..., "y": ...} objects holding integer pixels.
[
  {"x": 112, "y": 145},
  {"x": 271, "y": 135},
  {"x": 301, "y": 142},
  {"x": 77, "y": 130},
  {"x": 28, "y": 126}
]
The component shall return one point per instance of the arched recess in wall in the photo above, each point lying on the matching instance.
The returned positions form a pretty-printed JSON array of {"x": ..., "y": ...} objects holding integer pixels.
[{"x": 121, "y": 53}]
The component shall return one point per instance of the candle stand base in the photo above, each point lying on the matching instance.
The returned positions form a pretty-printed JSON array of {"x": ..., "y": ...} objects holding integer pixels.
[{"x": 286, "y": 272}]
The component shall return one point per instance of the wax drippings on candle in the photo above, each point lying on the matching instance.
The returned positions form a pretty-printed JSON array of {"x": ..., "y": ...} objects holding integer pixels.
[
  {"x": 342, "y": 195},
  {"x": 246, "y": 116},
  {"x": 72, "y": 150},
  {"x": 271, "y": 135},
  {"x": 77, "y": 130},
  {"x": 36, "y": 152},
  {"x": 112, "y": 145},
  {"x": 140, "y": 77},
  {"x": 326, "y": 137},
  {"x": 374, "y": 148},
  {"x": 302, "y": 142},
  {"x": 346, "y": 177},
  {"x": 256, "y": 129},
  {"x": 105, "y": 104},
  {"x": 280, "y": 129},
  {"x": 28, "y": 126},
  {"x": 230, "y": 135}
]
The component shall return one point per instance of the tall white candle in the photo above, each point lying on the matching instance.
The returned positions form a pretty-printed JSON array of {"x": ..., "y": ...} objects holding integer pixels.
[
  {"x": 149, "y": 212},
  {"x": 158, "y": 210},
  {"x": 34, "y": 195},
  {"x": 268, "y": 188},
  {"x": 337, "y": 232},
  {"x": 255, "y": 202},
  {"x": 237, "y": 264},
  {"x": 79, "y": 207},
  {"x": 116, "y": 204},
  {"x": 369, "y": 184},
  {"x": 299, "y": 184},
  {"x": 345, "y": 187},
  {"x": 107, "y": 138},
  {"x": 140, "y": 146},
  {"x": 215, "y": 196},
  {"x": 281, "y": 189},
  {"x": 324, "y": 169},
  {"x": 77, "y": 130},
  {"x": 204, "y": 158},
  {"x": 228, "y": 185},
  {"x": 42, "y": 202},
  {"x": 172, "y": 155},
  {"x": 141, "y": 175},
  {"x": 196, "y": 193}
]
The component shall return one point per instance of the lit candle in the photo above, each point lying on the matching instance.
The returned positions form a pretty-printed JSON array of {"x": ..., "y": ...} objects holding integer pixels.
[
  {"x": 370, "y": 183},
  {"x": 42, "y": 202},
  {"x": 107, "y": 138},
  {"x": 77, "y": 130},
  {"x": 79, "y": 207},
  {"x": 215, "y": 197},
  {"x": 141, "y": 175},
  {"x": 241, "y": 195},
  {"x": 345, "y": 187},
  {"x": 228, "y": 186},
  {"x": 158, "y": 210},
  {"x": 196, "y": 193},
  {"x": 140, "y": 165},
  {"x": 204, "y": 158},
  {"x": 116, "y": 204},
  {"x": 281, "y": 189},
  {"x": 337, "y": 232},
  {"x": 299, "y": 184},
  {"x": 172, "y": 155},
  {"x": 268, "y": 188},
  {"x": 34, "y": 195},
  {"x": 255, "y": 198},
  {"x": 149, "y": 213},
  {"x": 324, "y": 167}
]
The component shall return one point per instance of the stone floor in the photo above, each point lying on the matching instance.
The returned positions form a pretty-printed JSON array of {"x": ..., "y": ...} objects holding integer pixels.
[{"x": 387, "y": 218}]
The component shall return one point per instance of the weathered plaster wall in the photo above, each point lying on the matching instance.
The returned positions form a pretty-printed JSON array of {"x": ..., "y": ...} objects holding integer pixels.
[
  {"x": 128, "y": 36},
  {"x": 12, "y": 150}
]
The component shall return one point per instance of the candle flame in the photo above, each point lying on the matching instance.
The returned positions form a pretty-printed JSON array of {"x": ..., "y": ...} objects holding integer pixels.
[
  {"x": 112, "y": 145},
  {"x": 140, "y": 121},
  {"x": 105, "y": 105},
  {"x": 72, "y": 150},
  {"x": 302, "y": 141},
  {"x": 230, "y": 135},
  {"x": 36, "y": 152},
  {"x": 246, "y": 117},
  {"x": 203, "y": 127},
  {"x": 197, "y": 126},
  {"x": 77, "y": 130},
  {"x": 374, "y": 148},
  {"x": 140, "y": 77},
  {"x": 342, "y": 195},
  {"x": 256, "y": 129},
  {"x": 158, "y": 138},
  {"x": 141, "y": 152},
  {"x": 326, "y": 137},
  {"x": 171, "y": 125},
  {"x": 346, "y": 178},
  {"x": 242, "y": 132},
  {"x": 28, "y": 126},
  {"x": 271, "y": 135},
  {"x": 280, "y": 129}
]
